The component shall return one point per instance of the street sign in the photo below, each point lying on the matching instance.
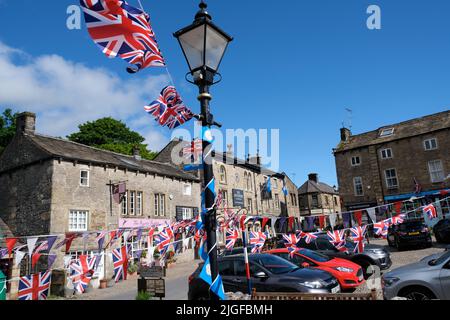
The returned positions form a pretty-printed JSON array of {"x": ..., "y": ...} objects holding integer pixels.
[
  {"x": 151, "y": 272},
  {"x": 238, "y": 198}
]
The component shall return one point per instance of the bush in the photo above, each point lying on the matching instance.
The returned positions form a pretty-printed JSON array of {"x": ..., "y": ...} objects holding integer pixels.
[
  {"x": 143, "y": 296},
  {"x": 132, "y": 268}
]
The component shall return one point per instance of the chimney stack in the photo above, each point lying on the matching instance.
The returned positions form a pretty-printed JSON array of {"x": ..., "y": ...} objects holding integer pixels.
[
  {"x": 26, "y": 123},
  {"x": 345, "y": 135},
  {"x": 137, "y": 153},
  {"x": 313, "y": 177}
]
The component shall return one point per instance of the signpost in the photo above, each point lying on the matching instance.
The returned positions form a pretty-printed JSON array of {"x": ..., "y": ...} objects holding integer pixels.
[{"x": 152, "y": 281}]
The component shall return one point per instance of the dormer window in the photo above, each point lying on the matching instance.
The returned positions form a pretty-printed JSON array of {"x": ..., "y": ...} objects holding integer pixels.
[
  {"x": 356, "y": 161},
  {"x": 387, "y": 132}
]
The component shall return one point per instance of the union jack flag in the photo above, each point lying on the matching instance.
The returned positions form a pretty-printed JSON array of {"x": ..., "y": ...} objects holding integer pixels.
[
  {"x": 430, "y": 210},
  {"x": 81, "y": 272},
  {"x": 309, "y": 237},
  {"x": 194, "y": 151},
  {"x": 35, "y": 286},
  {"x": 163, "y": 240},
  {"x": 358, "y": 236},
  {"x": 257, "y": 240},
  {"x": 398, "y": 219},
  {"x": 232, "y": 236},
  {"x": 122, "y": 30},
  {"x": 120, "y": 260},
  {"x": 290, "y": 240},
  {"x": 381, "y": 228},
  {"x": 169, "y": 109},
  {"x": 337, "y": 238},
  {"x": 292, "y": 251}
]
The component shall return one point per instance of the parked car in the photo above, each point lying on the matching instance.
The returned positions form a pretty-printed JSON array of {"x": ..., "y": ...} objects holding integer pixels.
[
  {"x": 269, "y": 273},
  {"x": 424, "y": 280},
  {"x": 349, "y": 274},
  {"x": 441, "y": 231},
  {"x": 412, "y": 233},
  {"x": 373, "y": 255}
]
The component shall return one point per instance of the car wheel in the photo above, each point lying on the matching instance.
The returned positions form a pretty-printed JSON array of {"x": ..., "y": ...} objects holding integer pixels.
[
  {"x": 389, "y": 243},
  {"x": 398, "y": 246},
  {"x": 417, "y": 293},
  {"x": 364, "y": 266}
]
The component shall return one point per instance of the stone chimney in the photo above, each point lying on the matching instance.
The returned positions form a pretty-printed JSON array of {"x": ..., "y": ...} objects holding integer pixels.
[
  {"x": 26, "y": 123},
  {"x": 254, "y": 160},
  {"x": 345, "y": 135},
  {"x": 313, "y": 177},
  {"x": 137, "y": 153}
]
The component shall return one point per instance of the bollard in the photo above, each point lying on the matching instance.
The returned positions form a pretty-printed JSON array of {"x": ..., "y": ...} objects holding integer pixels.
[{"x": 2, "y": 286}]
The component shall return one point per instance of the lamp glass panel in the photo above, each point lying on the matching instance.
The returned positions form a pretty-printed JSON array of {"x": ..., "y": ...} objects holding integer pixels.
[
  {"x": 216, "y": 45},
  {"x": 193, "y": 45}
]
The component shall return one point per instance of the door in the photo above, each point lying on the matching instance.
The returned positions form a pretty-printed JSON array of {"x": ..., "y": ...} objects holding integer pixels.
[
  {"x": 445, "y": 280},
  {"x": 239, "y": 279},
  {"x": 326, "y": 247},
  {"x": 260, "y": 284},
  {"x": 226, "y": 271}
]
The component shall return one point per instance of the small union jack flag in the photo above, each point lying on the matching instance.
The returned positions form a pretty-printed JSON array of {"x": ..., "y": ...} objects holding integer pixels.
[
  {"x": 194, "y": 150},
  {"x": 358, "y": 236},
  {"x": 81, "y": 272},
  {"x": 122, "y": 30},
  {"x": 169, "y": 110},
  {"x": 430, "y": 210},
  {"x": 381, "y": 228},
  {"x": 398, "y": 219},
  {"x": 309, "y": 237},
  {"x": 232, "y": 236},
  {"x": 257, "y": 240},
  {"x": 163, "y": 240},
  {"x": 35, "y": 286},
  {"x": 290, "y": 240},
  {"x": 292, "y": 251},
  {"x": 120, "y": 260},
  {"x": 337, "y": 238}
]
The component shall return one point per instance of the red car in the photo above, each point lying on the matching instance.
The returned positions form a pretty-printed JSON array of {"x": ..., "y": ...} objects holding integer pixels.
[{"x": 348, "y": 274}]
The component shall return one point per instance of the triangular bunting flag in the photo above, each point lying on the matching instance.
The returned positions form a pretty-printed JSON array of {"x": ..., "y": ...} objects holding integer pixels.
[
  {"x": 18, "y": 256},
  {"x": 31, "y": 243},
  {"x": 10, "y": 243}
]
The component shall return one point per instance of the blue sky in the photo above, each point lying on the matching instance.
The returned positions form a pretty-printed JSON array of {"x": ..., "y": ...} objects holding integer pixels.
[{"x": 294, "y": 66}]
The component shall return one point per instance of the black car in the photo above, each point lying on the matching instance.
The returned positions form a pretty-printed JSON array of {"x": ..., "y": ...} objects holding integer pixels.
[
  {"x": 412, "y": 233},
  {"x": 373, "y": 255},
  {"x": 269, "y": 273},
  {"x": 441, "y": 231}
]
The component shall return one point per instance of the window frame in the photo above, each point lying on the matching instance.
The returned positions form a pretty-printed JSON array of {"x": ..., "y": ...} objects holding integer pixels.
[
  {"x": 434, "y": 172},
  {"x": 354, "y": 164},
  {"x": 431, "y": 148},
  {"x": 385, "y": 151},
  {"x": 77, "y": 223},
  {"x": 124, "y": 204},
  {"x": 139, "y": 203},
  {"x": 391, "y": 178},
  {"x": 223, "y": 174},
  {"x": 87, "y": 185},
  {"x": 132, "y": 203},
  {"x": 387, "y": 132},
  {"x": 189, "y": 186},
  {"x": 355, "y": 187}
]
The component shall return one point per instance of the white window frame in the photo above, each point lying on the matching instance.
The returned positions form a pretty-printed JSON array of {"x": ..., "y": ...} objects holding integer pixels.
[
  {"x": 188, "y": 213},
  {"x": 223, "y": 174},
  {"x": 187, "y": 189},
  {"x": 124, "y": 204},
  {"x": 160, "y": 205},
  {"x": 87, "y": 178},
  {"x": 387, "y": 132},
  {"x": 353, "y": 163},
  {"x": 75, "y": 223},
  {"x": 132, "y": 210},
  {"x": 430, "y": 142},
  {"x": 139, "y": 202},
  {"x": 355, "y": 186},
  {"x": 434, "y": 172},
  {"x": 384, "y": 154},
  {"x": 387, "y": 179}
]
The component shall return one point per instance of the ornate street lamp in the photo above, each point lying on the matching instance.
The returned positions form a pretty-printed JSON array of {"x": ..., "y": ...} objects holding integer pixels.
[{"x": 204, "y": 45}]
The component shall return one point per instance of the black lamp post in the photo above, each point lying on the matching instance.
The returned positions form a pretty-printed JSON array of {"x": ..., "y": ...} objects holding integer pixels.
[{"x": 204, "y": 45}]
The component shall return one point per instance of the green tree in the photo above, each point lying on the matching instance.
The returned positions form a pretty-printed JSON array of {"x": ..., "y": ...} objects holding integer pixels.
[
  {"x": 112, "y": 135},
  {"x": 7, "y": 128}
]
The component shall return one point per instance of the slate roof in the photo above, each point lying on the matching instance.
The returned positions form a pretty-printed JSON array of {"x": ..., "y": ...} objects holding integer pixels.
[
  {"x": 311, "y": 186},
  {"x": 406, "y": 129},
  {"x": 68, "y": 150}
]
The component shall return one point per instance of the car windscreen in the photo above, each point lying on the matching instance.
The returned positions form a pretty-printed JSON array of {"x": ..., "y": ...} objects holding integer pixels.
[
  {"x": 443, "y": 258},
  {"x": 314, "y": 255},
  {"x": 274, "y": 264}
]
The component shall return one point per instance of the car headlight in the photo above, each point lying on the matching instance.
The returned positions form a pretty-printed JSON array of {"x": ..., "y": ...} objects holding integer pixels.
[
  {"x": 376, "y": 251},
  {"x": 390, "y": 281},
  {"x": 313, "y": 284},
  {"x": 344, "y": 269}
]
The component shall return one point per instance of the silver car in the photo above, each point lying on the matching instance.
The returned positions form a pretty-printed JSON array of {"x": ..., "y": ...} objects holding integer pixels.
[{"x": 424, "y": 280}]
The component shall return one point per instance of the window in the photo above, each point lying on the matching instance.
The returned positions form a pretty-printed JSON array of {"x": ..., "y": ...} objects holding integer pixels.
[
  {"x": 188, "y": 213},
  {"x": 139, "y": 203},
  {"x": 160, "y": 205},
  {"x": 84, "y": 178},
  {"x": 356, "y": 161},
  {"x": 277, "y": 201},
  {"x": 223, "y": 175},
  {"x": 391, "y": 179},
  {"x": 224, "y": 195},
  {"x": 430, "y": 144},
  {"x": 187, "y": 190},
  {"x": 78, "y": 220},
  {"x": 436, "y": 171},
  {"x": 226, "y": 268},
  {"x": 293, "y": 199},
  {"x": 386, "y": 153},
  {"x": 250, "y": 206},
  {"x": 275, "y": 183},
  {"x": 125, "y": 204},
  {"x": 387, "y": 132},
  {"x": 335, "y": 201},
  {"x": 315, "y": 201},
  {"x": 327, "y": 203},
  {"x": 132, "y": 203},
  {"x": 357, "y": 182}
]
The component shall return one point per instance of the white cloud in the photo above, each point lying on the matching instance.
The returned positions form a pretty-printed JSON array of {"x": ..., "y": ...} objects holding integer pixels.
[{"x": 65, "y": 94}]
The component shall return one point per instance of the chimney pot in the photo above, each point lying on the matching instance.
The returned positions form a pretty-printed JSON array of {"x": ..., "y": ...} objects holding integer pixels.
[
  {"x": 137, "y": 153},
  {"x": 313, "y": 177},
  {"x": 345, "y": 134},
  {"x": 26, "y": 123}
]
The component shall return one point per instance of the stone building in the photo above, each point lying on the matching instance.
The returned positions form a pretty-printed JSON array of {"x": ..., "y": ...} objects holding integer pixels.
[
  {"x": 394, "y": 163},
  {"x": 241, "y": 183},
  {"x": 53, "y": 186},
  {"x": 318, "y": 198}
]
